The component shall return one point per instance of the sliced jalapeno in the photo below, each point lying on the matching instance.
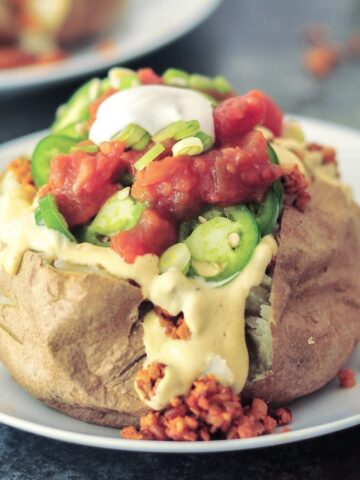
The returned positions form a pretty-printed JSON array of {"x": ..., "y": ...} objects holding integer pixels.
[
  {"x": 187, "y": 227},
  {"x": 120, "y": 212},
  {"x": 277, "y": 186},
  {"x": 222, "y": 246},
  {"x": 77, "y": 107},
  {"x": 47, "y": 149},
  {"x": 266, "y": 213},
  {"x": 77, "y": 130},
  {"x": 272, "y": 155},
  {"x": 49, "y": 214}
]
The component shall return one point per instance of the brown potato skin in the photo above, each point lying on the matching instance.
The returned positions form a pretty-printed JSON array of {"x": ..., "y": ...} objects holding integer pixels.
[
  {"x": 315, "y": 296},
  {"x": 80, "y": 341}
]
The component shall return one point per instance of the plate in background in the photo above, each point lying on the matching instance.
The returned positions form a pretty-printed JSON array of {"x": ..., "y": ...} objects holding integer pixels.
[
  {"x": 143, "y": 27},
  {"x": 330, "y": 409}
]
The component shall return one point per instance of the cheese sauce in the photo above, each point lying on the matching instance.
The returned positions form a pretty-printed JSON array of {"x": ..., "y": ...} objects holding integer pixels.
[
  {"x": 215, "y": 316},
  {"x": 152, "y": 107}
]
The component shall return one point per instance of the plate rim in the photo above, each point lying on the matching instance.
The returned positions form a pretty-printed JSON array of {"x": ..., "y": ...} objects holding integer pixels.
[
  {"x": 14, "y": 82},
  {"x": 151, "y": 446}
]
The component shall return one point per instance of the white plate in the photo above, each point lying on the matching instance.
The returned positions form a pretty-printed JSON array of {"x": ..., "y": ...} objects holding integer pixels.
[
  {"x": 328, "y": 410},
  {"x": 143, "y": 27}
]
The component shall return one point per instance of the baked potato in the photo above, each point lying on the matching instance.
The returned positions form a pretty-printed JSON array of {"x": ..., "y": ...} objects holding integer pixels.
[
  {"x": 74, "y": 332},
  {"x": 35, "y": 31}
]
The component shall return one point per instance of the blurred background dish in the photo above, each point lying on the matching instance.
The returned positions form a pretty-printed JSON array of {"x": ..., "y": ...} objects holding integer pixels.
[
  {"x": 38, "y": 39},
  {"x": 34, "y": 32}
]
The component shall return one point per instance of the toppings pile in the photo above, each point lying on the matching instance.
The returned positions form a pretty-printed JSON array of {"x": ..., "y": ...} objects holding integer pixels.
[
  {"x": 209, "y": 199},
  {"x": 210, "y": 411}
]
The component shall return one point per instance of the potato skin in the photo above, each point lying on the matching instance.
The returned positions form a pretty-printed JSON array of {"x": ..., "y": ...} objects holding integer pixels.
[
  {"x": 79, "y": 341},
  {"x": 315, "y": 296}
]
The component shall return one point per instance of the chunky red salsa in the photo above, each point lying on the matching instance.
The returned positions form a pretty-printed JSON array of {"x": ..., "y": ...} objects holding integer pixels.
[{"x": 236, "y": 170}]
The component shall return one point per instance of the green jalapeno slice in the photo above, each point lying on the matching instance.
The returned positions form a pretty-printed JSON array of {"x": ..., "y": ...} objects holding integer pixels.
[
  {"x": 77, "y": 107},
  {"x": 120, "y": 212},
  {"x": 47, "y": 149},
  {"x": 267, "y": 212},
  {"x": 49, "y": 215},
  {"x": 222, "y": 246}
]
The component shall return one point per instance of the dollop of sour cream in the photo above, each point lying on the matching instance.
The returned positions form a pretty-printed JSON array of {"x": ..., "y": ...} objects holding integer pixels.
[{"x": 152, "y": 107}]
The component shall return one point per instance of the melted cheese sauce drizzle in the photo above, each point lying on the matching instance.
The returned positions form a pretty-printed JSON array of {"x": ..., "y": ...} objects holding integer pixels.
[
  {"x": 152, "y": 107},
  {"x": 214, "y": 316}
]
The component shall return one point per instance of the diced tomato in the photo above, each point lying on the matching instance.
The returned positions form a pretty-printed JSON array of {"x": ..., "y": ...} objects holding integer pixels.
[
  {"x": 273, "y": 115},
  {"x": 152, "y": 234},
  {"x": 237, "y": 116},
  {"x": 169, "y": 185},
  {"x": 238, "y": 174},
  {"x": 82, "y": 182},
  {"x": 147, "y": 76},
  {"x": 181, "y": 185}
]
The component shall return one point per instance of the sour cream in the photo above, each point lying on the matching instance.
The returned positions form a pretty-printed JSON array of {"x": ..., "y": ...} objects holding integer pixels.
[{"x": 152, "y": 107}]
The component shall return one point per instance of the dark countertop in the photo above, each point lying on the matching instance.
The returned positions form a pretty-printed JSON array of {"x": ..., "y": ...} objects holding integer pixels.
[{"x": 255, "y": 43}]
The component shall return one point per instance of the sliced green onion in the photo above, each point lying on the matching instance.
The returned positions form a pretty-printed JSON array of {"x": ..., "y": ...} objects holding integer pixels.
[
  {"x": 105, "y": 85},
  {"x": 188, "y": 146},
  {"x": 84, "y": 148},
  {"x": 131, "y": 135},
  {"x": 178, "y": 256},
  {"x": 142, "y": 143},
  {"x": 123, "y": 78},
  {"x": 169, "y": 131},
  {"x": 191, "y": 127},
  {"x": 149, "y": 156},
  {"x": 176, "y": 77},
  {"x": 201, "y": 82},
  {"x": 221, "y": 85},
  {"x": 206, "y": 140}
]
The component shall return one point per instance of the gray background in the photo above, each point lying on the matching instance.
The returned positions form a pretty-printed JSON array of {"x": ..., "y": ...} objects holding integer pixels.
[{"x": 255, "y": 43}]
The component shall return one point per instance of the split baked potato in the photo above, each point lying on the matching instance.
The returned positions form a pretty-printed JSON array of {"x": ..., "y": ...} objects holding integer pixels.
[
  {"x": 75, "y": 333},
  {"x": 74, "y": 339}
]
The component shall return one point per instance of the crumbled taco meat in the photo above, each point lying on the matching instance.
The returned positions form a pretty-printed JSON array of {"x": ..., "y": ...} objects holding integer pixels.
[
  {"x": 328, "y": 153},
  {"x": 175, "y": 327},
  {"x": 347, "y": 378},
  {"x": 148, "y": 378},
  {"x": 282, "y": 415},
  {"x": 21, "y": 169},
  {"x": 295, "y": 186},
  {"x": 210, "y": 411}
]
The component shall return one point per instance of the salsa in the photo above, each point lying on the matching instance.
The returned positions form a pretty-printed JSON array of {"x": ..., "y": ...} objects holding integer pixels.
[{"x": 190, "y": 172}]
